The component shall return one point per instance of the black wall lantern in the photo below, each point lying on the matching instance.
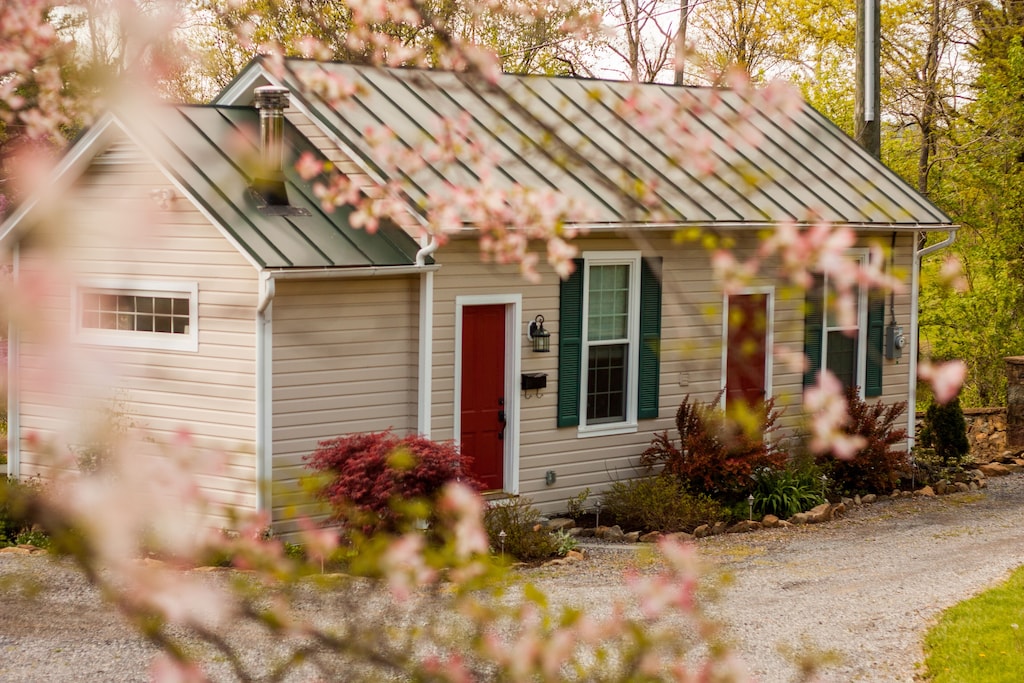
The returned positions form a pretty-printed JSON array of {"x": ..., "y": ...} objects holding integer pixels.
[{"x": 540, "y": 337}]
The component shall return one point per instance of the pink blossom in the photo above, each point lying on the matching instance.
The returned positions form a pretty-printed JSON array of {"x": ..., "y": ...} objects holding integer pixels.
[
  {"x": 945, "y": 378},
  {"x": 827, "y": 411}
]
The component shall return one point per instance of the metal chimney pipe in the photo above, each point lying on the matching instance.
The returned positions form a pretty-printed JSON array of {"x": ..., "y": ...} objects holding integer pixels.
[{"x": 271, "y": 101}]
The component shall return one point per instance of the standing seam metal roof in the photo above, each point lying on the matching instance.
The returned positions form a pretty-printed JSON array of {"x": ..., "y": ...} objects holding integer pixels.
[{"x": 803, "y": 169}]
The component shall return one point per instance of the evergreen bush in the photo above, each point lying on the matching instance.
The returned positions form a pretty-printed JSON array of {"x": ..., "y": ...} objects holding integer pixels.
[{"x": 945, "y": 431}]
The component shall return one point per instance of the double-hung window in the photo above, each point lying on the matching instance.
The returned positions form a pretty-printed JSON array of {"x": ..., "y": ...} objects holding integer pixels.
[
  {"x": 609, "y": 329},
  {"x": 138, "y": 314},
  {"x": 851, "y": 349}
]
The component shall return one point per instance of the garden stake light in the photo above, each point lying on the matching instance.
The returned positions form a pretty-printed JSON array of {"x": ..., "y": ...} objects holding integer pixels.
[
  {"x": 750, "y": 505},
  {"x": 501, "y": 536}
]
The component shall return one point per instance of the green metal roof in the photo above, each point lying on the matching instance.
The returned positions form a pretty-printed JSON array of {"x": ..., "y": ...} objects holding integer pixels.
[
  {"x": 204, "y": 147},
  {"x": 801, "y": 166}
]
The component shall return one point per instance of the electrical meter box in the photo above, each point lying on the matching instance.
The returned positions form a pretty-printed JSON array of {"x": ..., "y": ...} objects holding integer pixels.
[{"x": 894, "y": 342}]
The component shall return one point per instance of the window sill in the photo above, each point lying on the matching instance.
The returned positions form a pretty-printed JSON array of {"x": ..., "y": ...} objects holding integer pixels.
[{"x": 606, "y": 430}]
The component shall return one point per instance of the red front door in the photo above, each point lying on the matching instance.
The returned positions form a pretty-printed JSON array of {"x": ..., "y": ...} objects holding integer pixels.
[
  {"x": 483, "y": 392},
  {"x": 746, "y": 359}
]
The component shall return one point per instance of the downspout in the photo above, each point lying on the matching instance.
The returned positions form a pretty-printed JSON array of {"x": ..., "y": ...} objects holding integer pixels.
[
  {"x": 426, "y": 346},
  {"x": 13, "y": 373},
  {"x": 264, "y": 405},
  {"x": 915, "y": 286}
]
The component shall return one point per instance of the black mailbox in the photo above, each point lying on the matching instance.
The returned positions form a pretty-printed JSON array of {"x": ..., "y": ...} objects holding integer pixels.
[{"x": 534, "y": 381}]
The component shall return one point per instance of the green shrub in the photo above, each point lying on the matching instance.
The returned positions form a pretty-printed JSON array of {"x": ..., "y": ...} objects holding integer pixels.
[
  {"x": 659, "y": 503},
  {"x": 524, "y": 538},
  {"x": 945, "y": 431},
  {"x": 15, "y": 500},
  {"x": 795, "y": 488},
  {"x": 877, "y": 467},
  {"x": 576, "y": 506}
]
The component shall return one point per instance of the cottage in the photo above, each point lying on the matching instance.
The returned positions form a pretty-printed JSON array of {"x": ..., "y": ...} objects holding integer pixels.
[{"x": 233, "y": 303}]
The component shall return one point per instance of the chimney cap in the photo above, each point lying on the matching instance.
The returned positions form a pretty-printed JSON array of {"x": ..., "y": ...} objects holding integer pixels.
[{"x": 270, "y": 97}]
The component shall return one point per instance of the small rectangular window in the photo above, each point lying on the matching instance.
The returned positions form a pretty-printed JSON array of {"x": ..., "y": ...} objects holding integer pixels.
[{"x": 137, "y": 314}]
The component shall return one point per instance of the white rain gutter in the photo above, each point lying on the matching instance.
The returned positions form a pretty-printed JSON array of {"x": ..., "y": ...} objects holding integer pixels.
[
  {"x": 264, "y": 388},
  {"x": 915, "y": 285},
  {"x": 425, "y": 387},
  {"x": 13, "y": 402}
]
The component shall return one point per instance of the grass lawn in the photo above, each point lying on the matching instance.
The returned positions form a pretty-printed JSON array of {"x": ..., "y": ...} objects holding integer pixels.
[{"x": 980, "y": 640}]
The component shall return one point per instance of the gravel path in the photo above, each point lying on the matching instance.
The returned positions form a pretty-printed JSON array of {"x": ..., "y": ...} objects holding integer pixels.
[{"x": 864, "y": 588}]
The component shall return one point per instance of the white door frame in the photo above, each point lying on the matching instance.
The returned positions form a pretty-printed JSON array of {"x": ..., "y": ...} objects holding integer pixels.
[{"x": 513, "y": 362}]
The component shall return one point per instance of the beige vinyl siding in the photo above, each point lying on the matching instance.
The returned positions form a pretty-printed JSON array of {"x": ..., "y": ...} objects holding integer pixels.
[
  {"x": 345, "y": 360},
  {"x": 109, "y": 228},
  {"x": 691, "y": 362}
]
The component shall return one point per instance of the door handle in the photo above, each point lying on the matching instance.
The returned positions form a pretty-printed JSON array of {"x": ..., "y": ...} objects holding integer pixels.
[{"x": 501, "y": 420}]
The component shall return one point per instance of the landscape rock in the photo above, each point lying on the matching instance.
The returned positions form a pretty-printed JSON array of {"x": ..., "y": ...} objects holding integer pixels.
[
  {"x": 798, "y": 518},
  {"x": 650, "y": 537},
  {"x": 962, "y": 487},
  {"x": 631, "y": 537},
  {"x": 609, "y": 533},
  {"x": 927, "y": 492},
  {"x": 559, "y": 523},
  {"x": 680, "y": 536},
  {"x": 744, "y": 526},
  {"x": 584, "y": 533},
  {"x": 819, "y": 513},
  {"x": 868, "y": 499},
  {"x": 770, "y": 521},
  {"x": 994, "y": 469},
  {"x": 857, "y": 500},
  {"x": 702, "y": 531},
  {"x": 719, "y": 528}
]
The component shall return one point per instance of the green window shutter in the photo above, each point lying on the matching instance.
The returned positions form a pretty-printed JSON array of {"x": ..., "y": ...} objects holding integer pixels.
[
  {"x": 876, "y": 338},
  {"x": 570, "y": 346},
  {"x": 649, "y": 379},
  {"x": 814, "y": 308}
]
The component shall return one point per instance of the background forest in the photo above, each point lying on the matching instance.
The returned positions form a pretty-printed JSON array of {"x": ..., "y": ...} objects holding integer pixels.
[{"x": 952, "y": 99}]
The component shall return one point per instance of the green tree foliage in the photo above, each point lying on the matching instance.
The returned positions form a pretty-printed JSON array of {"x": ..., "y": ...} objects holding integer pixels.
[
  {"x": 981, "y": 186},
  {"x": 524, "y": 42}
]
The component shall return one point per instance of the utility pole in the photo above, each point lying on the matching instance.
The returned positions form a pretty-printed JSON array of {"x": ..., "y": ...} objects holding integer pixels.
[{"x": 867, "y": 129}]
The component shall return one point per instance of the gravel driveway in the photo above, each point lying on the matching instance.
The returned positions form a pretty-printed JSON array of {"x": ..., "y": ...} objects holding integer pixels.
[{"x": 864, "y": 588}]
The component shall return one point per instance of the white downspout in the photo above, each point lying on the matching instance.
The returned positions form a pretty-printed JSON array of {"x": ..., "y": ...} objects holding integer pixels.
[
  {"x": 13, "y": 373},
  {"x": 915, "y": 286},
  {"x": 426, "y": 346},
  {"x": 264, "y": 389}
]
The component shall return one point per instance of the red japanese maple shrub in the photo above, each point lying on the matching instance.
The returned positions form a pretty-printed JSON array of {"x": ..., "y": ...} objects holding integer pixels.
[
  {"x": 374, "y": 477},
  {"x": 715, "y": 453},
  {"x": 877, "y": 467}
]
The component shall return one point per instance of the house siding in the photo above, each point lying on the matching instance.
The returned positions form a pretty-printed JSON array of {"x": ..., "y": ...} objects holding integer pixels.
[
  {"x": 109, "y": 228},
  {"x": 691, "y": 359},
  {"x": 345, "y": 360}
]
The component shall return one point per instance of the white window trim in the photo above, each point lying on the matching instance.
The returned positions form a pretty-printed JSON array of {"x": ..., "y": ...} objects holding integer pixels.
[
  {"x": 629, "y": 425},
  {"x": 861, "y": 256},
  {"x": 133, "y": 339}
]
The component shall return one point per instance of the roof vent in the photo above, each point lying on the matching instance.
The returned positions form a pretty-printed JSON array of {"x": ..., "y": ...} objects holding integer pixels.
[{"x": 271, "y": 101}]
